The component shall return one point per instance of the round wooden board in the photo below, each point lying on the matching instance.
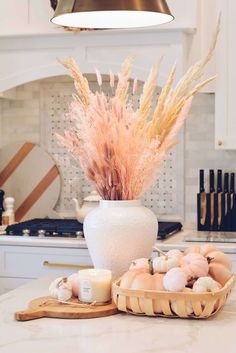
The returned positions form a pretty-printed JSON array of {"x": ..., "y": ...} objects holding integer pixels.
[
  {"x": 47, "y": 307},
  {"x": 30, "y": 175}
]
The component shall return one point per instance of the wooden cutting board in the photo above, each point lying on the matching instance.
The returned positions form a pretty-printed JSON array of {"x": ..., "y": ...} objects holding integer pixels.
[
  {"x": 30, "y": 175},
  {"x": 49, "y": 307}
]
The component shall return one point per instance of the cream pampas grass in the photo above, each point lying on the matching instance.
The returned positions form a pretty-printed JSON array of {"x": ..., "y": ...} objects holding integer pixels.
[{"x": 121, "y": 148}]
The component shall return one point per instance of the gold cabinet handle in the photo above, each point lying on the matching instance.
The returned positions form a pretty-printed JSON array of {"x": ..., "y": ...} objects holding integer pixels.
[
  {"x": 53, "y": 264},
  {"x": 220, "y": 143}
]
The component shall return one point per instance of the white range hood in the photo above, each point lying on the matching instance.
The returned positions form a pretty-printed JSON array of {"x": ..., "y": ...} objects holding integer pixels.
[{"x": 28, "y": 58}]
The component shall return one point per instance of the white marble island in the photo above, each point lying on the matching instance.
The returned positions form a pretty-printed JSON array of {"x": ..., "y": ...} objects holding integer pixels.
[{"x": 120, "y": 333}]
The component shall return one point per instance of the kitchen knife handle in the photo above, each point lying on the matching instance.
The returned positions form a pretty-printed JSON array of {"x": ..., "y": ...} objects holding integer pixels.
[
  {"x": 232, "y": 186},
  {"x": 226, "y": 182},
  {"x": 219, "y": 180},
  {"x": 233, "y": 215},
  {"x": 212, "y": 180},
  {"x": 219, "y": 210},
  {"x": 201, "y": 188},
  {"x": 228, "y": 214}
]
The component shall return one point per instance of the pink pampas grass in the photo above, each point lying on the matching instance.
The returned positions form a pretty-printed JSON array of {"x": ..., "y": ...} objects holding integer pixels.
[{"x": 121, "y": 148}]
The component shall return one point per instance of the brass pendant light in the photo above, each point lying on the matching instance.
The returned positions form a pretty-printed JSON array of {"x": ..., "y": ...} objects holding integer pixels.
[{"x": 111, "y": 13}]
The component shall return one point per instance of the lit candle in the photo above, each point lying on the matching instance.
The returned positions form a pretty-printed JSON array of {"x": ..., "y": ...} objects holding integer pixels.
[{"x": 94, "y": 285}]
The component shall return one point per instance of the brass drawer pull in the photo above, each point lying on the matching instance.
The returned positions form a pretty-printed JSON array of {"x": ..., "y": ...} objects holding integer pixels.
[{"x": 52, "y": 264}]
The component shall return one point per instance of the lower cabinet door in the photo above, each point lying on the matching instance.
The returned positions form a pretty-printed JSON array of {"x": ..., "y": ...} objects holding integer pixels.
[
  {"x": 35, "y": 262},
  {"x": 21, "y": 264},
  {"x": 7, "y": 284}
]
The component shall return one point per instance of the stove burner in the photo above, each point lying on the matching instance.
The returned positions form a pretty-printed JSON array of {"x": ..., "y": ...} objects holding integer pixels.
[
  {"x": 26, "y": 232},
  {"x": 47, "y": 227}
]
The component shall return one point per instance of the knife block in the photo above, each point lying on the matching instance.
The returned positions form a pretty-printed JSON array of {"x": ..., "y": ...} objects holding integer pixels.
[{"x": 228, "y": 218}]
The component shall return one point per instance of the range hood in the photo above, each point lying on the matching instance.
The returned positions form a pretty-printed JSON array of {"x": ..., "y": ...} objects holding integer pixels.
[{"x": 28, "y": 58}]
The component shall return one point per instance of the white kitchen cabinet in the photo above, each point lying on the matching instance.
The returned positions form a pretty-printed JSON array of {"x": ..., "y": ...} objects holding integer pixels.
[
  {"x": 225, "y": 125},
  {"x": 19, "y": 264},
  {"x": 26, "y": 17}
]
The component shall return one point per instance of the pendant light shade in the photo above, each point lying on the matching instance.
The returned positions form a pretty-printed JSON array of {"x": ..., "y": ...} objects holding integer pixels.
[{"x": 111, "y": 13}]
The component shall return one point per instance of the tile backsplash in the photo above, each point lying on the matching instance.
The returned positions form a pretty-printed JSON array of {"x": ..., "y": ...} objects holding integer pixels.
[{"x": 27, "y": 117}]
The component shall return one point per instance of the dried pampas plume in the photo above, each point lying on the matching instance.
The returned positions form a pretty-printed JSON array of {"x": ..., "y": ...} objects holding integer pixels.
[{"x": 120, "y": 148}]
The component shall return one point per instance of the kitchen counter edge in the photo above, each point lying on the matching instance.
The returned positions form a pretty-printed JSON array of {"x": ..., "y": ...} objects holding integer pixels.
[{"x": 175, "y": 241}]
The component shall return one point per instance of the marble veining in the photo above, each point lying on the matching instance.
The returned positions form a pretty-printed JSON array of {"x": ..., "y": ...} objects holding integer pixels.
[{"x": 120, "y": 333}]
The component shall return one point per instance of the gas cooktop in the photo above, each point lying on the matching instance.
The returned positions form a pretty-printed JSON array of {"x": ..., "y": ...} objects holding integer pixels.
[
  {"x": 47, "y": 227},
  {"x": 71, "y": 228}
]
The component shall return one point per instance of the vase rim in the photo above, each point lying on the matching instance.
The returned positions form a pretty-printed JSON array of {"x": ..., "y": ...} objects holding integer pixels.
[{"x": 119, "y": 203}]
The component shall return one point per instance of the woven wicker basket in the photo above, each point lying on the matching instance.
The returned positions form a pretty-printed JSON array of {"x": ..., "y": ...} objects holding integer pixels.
[{"x": 145, "y": 302}]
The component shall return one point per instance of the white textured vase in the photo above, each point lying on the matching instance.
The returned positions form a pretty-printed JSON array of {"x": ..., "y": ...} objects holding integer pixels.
[{"x": 118, "y": 232}]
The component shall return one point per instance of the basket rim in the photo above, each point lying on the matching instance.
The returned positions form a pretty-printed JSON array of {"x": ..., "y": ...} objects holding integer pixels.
[{"x": 142, "y": 292}]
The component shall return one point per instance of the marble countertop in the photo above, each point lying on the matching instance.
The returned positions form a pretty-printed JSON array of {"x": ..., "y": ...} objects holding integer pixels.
[
  {"x": 120, "y": 333},
  {"x": 175, "y": 241},
  {"x": 55, "y": 242}
]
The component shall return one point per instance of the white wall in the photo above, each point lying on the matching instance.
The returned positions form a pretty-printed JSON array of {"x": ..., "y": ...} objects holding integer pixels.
[
  {"x": 185, "y": 13},
  {"x": 19, "y": 17}
]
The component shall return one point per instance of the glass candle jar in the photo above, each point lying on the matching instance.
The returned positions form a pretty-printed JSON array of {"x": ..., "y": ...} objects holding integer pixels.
[{"x": 94, "y": 285}]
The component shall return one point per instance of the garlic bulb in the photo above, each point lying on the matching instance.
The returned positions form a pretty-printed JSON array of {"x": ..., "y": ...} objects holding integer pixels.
[
  {"x": 64, "y": 294},
  {"x": 53, "y": 288},
  {"x": 163, "y": 264},
  {"x": 61, "y": 289},
  {"x": 206, "y": 284}
]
